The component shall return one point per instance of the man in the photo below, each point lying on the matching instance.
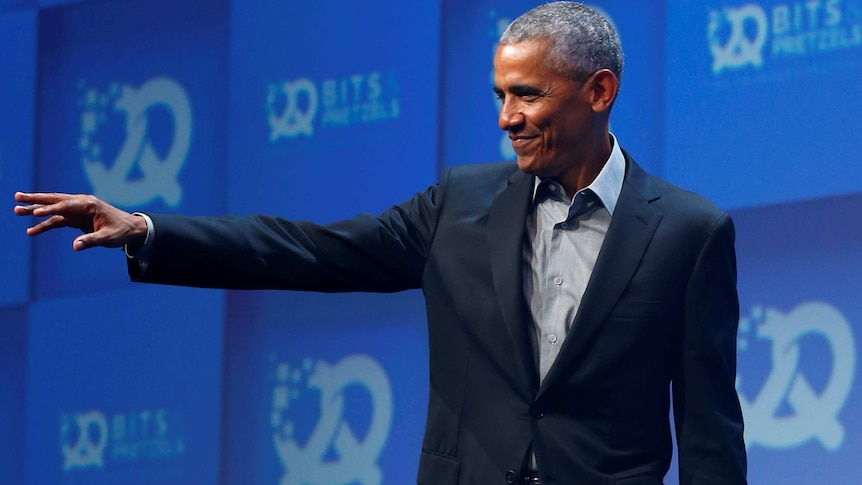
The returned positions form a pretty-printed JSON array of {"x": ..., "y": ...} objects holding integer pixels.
[{"x": 565, "y": 293}]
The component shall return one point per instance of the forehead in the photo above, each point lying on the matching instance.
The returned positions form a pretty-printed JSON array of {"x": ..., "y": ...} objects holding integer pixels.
[
  {"x": 530, "y": 53},
  {"x": 522, "y": 61}
]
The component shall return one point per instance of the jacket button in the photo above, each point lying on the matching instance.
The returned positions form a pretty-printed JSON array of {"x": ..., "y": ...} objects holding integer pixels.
[
  {"x": 538, "y": 414},
  {"x": 511, "y": 477}
]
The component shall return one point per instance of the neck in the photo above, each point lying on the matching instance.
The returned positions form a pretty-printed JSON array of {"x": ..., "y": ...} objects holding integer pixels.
[{"x": 587, "y": 168}]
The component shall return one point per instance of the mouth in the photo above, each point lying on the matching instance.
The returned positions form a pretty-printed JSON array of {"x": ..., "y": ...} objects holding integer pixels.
[{"x": 519, "y": 141}]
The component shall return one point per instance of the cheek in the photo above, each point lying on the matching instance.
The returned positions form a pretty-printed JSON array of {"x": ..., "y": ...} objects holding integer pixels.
[
  {"x": 538, "y": 122},
  {"x": 570, "y": 130}
]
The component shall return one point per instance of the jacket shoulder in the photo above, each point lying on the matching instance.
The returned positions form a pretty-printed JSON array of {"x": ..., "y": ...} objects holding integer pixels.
[
  {"x": 491, "y": 172},
  {"x": 667, "y": 197},
  {"x": 476, "y": 182}
]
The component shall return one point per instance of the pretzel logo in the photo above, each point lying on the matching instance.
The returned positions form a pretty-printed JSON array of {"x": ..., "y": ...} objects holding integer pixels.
[
  {"x": 731, "y": 41},
  {"x": 306, "y": 463},
  {"x": 815, "y": 412},
  {"x": 118, "y": 182},
  {"x": 292, "y": 120},
  {"x": 84, "y": 437}
]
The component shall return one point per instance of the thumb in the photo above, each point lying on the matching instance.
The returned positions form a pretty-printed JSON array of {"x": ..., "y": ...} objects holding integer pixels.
[
  {"x": 92, "y": 239},
  {"x": 106, "y": 237},
  {"x": 82, "y": 242}
]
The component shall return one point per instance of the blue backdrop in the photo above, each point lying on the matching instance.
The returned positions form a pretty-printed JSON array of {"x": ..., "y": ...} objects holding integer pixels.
[
  {"x": 323, "y": 110},
  {"x": 771, "y": 84},
  {"x": 125, "y": 387},
  {"x": 131, "y": 107},
  {"x": 17, "y": 50}
]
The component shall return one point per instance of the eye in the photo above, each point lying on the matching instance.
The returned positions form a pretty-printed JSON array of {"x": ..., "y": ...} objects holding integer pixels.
[{"x": 527, "y": 94}]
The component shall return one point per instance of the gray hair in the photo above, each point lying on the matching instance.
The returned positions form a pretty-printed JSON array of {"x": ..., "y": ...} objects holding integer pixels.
[{"x": 582, "y": 40}]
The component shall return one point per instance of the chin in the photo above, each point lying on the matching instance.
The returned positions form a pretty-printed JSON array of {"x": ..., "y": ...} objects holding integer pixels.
[{"x": 525, "y": 165}]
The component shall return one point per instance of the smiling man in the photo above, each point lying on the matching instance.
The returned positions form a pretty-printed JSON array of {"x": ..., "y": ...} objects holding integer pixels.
[
  {"x": 568, "y": 294},
  {"x": 557, "y": 120}
]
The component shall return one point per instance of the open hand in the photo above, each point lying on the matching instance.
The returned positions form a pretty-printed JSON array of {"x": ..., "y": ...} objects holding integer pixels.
[{"x": 102, "y": 223}]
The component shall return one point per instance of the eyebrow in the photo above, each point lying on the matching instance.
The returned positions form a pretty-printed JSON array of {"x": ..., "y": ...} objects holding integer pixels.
[{"x": 519, "y": 90}]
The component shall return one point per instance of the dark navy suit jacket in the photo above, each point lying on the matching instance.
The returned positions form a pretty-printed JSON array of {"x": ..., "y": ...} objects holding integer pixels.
[{"x": 660, "y": 312}]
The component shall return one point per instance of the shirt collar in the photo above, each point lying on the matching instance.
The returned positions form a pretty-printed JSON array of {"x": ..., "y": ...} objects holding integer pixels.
[{"x": 609, "y": 182}]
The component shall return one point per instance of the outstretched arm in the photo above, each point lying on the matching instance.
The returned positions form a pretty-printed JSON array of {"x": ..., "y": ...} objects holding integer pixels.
[{"x": 102, "y": 223}]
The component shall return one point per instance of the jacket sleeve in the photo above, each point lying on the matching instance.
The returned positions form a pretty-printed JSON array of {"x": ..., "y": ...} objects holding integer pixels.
[
  {"x": 383, "y": 253},
  {"x": 707, "y": 414}
]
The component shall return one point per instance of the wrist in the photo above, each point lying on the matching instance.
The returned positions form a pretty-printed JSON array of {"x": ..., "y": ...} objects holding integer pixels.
[
  {"x": 138, "y": 237},
  {"x": 139, "y": 229}
]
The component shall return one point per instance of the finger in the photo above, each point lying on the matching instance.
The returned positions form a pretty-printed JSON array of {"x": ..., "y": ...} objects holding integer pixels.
[
  {"x": 40, "y": 197},
  {"x": 52, "y": 222},
  {"x": 23, "y": 196},
  {"x": 65, "y": 206},
  {"x": 42, "y": 204},
  {"x": 26, "y": 210}
]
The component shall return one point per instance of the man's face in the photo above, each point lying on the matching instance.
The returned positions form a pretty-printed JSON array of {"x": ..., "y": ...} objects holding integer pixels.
[{"x": 548, "y": 116}]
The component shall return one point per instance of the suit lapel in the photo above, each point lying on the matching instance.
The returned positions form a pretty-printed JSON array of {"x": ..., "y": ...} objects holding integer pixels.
[
  {"x": 633, "y": 224},
  {"x": 505, "y": 242}
]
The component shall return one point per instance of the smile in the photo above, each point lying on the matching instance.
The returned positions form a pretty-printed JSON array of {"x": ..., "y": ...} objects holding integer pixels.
[{"x": 520, "y": 141}]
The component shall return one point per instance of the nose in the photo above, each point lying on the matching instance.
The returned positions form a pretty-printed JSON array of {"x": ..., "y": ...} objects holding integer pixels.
[{"x": 511, "y": 117}]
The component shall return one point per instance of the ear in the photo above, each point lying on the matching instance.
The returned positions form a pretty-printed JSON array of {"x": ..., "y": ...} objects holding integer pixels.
[{"x": 603, "y": 85}]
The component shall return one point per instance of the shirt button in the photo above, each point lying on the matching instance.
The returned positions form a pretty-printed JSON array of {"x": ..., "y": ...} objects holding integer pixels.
[
  {"x": 552, "y": 338},
  {"x": 511, "y": 476},
  {"x": 558, "y": 281}
]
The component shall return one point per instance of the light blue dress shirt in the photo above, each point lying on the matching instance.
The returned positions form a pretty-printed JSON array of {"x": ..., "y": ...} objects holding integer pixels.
[{"x": 563, "y": 241}]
